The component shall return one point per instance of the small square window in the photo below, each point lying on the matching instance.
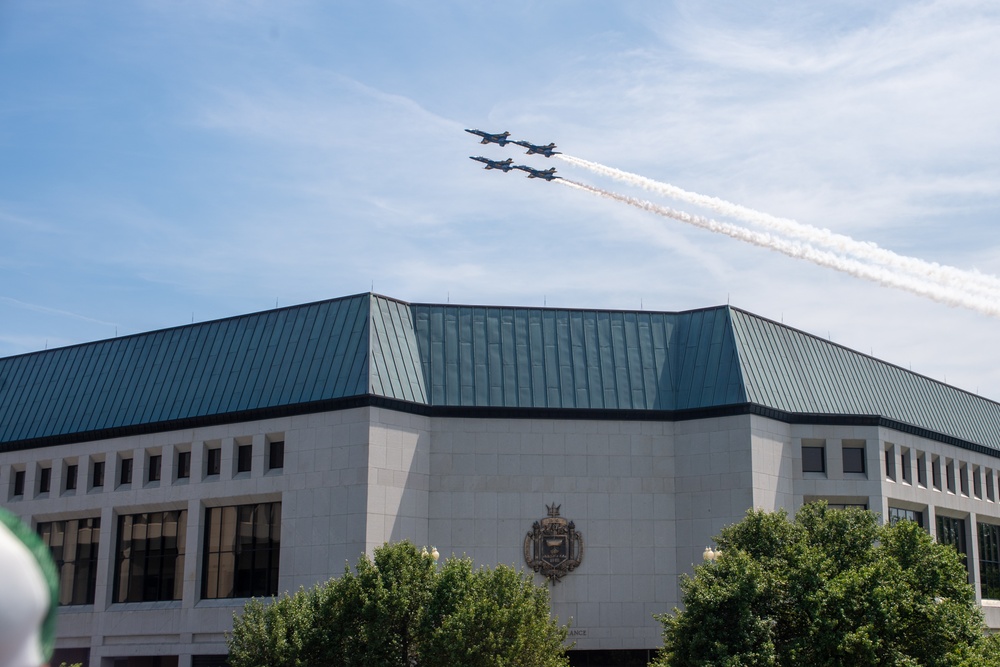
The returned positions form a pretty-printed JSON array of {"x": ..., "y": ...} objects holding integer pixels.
[
  {"x": 244, "y": 457},
  {"x": 183, "y": 465},
  {"x": 213, "y": 463},
  {"x": 276, "y": 454},
  {"x": 18, "y": 482},
  {"x": 44, "y": 480},
  {"x": 98, "y": 474},
  {"x": 155, "y": 463},
  {"x": 71, "y": 477},
  {"x": 854, "y": 459},
  {"x": 126, "y": 472},
  {"x": 814, "y": 459}
]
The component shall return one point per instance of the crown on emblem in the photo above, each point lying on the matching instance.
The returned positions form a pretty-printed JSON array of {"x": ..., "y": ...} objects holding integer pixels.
[{"x": 553, "y": 509}]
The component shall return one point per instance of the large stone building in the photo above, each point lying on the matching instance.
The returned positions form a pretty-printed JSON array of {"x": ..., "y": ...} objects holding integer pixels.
[{"x": 177, "y": 472}]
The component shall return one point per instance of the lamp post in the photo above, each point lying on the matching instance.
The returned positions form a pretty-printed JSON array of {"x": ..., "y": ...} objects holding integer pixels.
[{"x": 710, "y": 555}]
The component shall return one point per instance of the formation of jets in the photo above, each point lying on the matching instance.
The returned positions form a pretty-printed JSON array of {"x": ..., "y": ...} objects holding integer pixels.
[{"x": 506, "y": 165}]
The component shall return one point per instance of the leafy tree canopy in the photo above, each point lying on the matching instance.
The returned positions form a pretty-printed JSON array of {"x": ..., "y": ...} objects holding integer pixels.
[
  {"x": 400, "y": 609},
  {"x": 829, "y": 588}
]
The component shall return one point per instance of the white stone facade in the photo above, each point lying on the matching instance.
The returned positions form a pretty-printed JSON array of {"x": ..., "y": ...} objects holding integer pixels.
[{"x": 647, "y": 497}]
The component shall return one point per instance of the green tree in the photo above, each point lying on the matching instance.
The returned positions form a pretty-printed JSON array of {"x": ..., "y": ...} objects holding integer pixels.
[
  {"x": 399, "y": 610},
  {"x": 830, "y": 588}
]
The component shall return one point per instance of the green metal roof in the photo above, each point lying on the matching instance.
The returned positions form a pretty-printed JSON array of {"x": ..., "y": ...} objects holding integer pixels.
[
  {"x": 795, "y": 372},
  {"x": 367, "y": 347}
]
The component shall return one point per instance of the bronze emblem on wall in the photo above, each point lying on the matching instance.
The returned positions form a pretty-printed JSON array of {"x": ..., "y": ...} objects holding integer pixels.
[{"x": 553, "y": 547}]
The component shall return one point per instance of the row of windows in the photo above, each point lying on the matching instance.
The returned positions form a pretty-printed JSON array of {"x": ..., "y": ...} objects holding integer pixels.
[
  {"x": 852, "y": 455},
  {"x": 240, "y": 559},
  {"x": 944, "y": 473},
  {"x": 903, "y": 464},
  {"x": 212, "y": 466}
]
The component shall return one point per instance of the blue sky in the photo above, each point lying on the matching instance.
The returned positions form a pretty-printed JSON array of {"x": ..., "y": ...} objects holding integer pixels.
[{"x": 169, "y": 162}]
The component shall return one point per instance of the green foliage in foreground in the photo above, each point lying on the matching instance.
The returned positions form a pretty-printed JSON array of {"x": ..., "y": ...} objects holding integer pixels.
[
  {"x": 831, "y": 588},
  {"x": 400, "y": 609}
]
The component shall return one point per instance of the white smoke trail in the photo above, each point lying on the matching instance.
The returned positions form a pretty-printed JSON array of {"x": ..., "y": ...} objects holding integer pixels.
[
  {"x": 878, "y": 274},
  {"x": 943, "y": 274}
]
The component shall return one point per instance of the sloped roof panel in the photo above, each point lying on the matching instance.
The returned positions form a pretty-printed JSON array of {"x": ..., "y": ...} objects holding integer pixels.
[
  {"x": 162, "y": 375},
  {"x": 395, "y": 360},
  {"x": 815, "y": 376},
  {"x": 579, "y": 359}
]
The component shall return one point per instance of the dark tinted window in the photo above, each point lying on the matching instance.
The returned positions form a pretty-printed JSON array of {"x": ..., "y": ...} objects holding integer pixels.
[
  {"x": 98, "y": 474},
  {"x": 44, "y": 480},
  {"x": 71, "y": 477},
  {"x": 126, "y": 472},
  {"x": 155, "y": 462},
  {"x": 244, "y": 454},
  {"x": 149, "y": 559},
  {"x": 276, "y": 454},
  {"x": 854, "y": 459},
  {"x": 183, "y": 465},
  {"x": 214, "y": 461},
  {"x": 242, "y": 545},
  {"x": 74, "y": 545},
  {"x": 814, "y": 459}
]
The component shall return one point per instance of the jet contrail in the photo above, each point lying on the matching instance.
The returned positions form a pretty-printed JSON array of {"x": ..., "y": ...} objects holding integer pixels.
[
  {"x": 943, "y": 274},
  {"x": 878, "y": 274}
]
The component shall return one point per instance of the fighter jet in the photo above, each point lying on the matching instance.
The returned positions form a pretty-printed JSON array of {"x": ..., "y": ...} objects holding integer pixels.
[
  {"x": 492, "y": 138},
  {"x": 503, "y": 165},
  {"x": 540, "y": 150},
  {"x": 547, "y": 174}
]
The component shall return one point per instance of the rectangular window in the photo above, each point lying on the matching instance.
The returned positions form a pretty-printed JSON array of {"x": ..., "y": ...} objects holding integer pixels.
[
  {"x": 904, "y": 465},
  {"x": 949, "y": 475},
  {"x": 990, "y": 494},
  {"x": 97, "y": 474},
  {"x": 276, "y": 455},
  {"x": 897, "y": 514},
  {"x": 813, "y": 459},
  {"x": 244, "y": 457},
  {"x": 963, "y": 479},
  {"x": 854, "y": 459},
  {"x": 71, "y": 477},
  {"x": 922, "y": 470},
  {"x": 213, "y": 462},
  {"x": 126, "y": 472},
  {"x": 44, "y": 480},
  {"x": 183, "y": 465},
  {"x": 936, "y": 473},
  {"x": 149, "y": 558},
  {"x": 989, "y": 561},
  {"x": 977, "y": 482},
  {"x": 242, "y": 546},
  {"x": 952, "y": 531},
  {"x": 153, "y": 474},
  {"x": 18, "y": 483},
  {"x": 73, "y": 545},
  {"x": 890, "y": 463}
]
